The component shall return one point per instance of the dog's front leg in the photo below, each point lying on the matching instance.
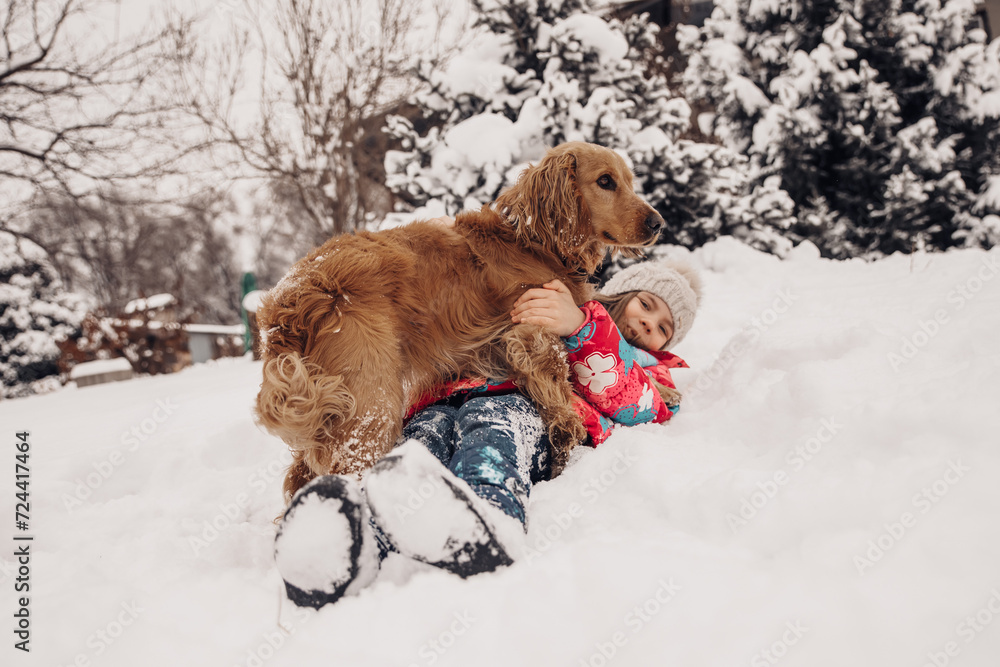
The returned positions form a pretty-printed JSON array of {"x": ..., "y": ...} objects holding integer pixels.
[
  {"x": 538, "y": 365},
  {"x": 671, "y": 397}
]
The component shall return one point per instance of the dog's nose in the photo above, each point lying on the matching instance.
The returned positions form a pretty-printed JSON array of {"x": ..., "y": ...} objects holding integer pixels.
[{"x": 654, "y": 222}]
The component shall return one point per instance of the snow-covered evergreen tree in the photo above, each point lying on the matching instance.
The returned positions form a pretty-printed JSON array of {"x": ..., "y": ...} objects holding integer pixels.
[
  {"x": 35, "y": 313},
  {"x": 538, "y": 73},
  {"x": 880, "y": 120}
]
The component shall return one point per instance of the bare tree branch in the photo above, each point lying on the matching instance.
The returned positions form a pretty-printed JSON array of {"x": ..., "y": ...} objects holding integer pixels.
[
  {"x": 76, "y": 118},
  {"x": 329, "y": 71}
]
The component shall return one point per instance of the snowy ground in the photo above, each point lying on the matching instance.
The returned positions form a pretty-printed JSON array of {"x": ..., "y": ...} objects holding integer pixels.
[{"x": 827, "y": 496}]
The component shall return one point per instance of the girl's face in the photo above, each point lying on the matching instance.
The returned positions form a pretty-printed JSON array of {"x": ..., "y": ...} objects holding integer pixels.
[{"x": 649, "y": 324}]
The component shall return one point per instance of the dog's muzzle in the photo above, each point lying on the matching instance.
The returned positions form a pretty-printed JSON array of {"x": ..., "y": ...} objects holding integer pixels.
[{"x": 654, "y": 223}]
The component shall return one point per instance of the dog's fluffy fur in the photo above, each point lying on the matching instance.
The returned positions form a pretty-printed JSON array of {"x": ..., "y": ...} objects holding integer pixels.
[{"x": 370, "y": 321}]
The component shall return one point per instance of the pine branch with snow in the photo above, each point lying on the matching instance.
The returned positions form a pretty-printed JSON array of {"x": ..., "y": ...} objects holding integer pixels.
[
  {"x": 881, "y": 123},
  {"x": 538, "y": 74}
]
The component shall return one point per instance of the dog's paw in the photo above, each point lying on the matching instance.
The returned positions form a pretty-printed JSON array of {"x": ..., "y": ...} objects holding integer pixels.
[
  {"x": 564, "y": 435},
  {"x": 567, "y": 433},
  {"x": 670, "y": 396}
]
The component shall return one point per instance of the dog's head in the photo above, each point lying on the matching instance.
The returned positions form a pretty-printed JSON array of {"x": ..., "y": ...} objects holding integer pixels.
[{"x": 578, "y": 200}]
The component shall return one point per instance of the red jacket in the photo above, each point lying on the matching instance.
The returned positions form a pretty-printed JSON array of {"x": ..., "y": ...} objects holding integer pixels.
[{"x": 612, "y": 378}]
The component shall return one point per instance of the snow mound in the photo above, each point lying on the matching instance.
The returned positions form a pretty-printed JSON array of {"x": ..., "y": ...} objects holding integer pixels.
[{"x": 827, "y": 492}]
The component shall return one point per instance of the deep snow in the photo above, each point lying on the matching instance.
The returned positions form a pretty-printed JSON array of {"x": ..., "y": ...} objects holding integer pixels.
[{"x": 827, "y": 494}]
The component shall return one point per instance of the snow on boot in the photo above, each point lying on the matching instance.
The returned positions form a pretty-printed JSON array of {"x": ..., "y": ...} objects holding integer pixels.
[
  {"x": 430, "y": 515},
  {"x": 325, "y": 548}
]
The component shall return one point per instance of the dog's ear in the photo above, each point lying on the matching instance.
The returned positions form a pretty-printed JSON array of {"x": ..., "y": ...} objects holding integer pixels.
[{"x": 546, "y": 206}]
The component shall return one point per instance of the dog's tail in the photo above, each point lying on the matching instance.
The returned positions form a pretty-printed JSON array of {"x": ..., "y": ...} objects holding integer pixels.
[
  {"x": 302, "y": 405},
  {"x": 332, "y": 385},
  {"x": 300, "y": 401}
]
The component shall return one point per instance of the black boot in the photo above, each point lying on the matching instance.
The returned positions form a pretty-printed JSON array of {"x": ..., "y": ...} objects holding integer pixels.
[
  {"x": 430, "y": 515},
  {"x": 325, "y": 548}
]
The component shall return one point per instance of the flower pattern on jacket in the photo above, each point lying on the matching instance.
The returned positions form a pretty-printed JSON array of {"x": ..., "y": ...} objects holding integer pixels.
[
  {"x": 632, "y": 397},
  {"x": 596, "y": 372},
  {"x": 646, "y": 400}
]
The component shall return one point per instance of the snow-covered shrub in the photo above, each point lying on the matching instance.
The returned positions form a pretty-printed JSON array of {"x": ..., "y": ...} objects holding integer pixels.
[
  {"x": 881, "y": 121},
  {"x": 36, "y": 313}
]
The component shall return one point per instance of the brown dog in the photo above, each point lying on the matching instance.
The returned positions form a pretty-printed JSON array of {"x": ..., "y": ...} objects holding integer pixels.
[{"x": 369, "y": 321}]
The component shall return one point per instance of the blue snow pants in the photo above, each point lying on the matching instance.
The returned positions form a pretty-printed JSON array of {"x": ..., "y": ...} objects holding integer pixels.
[{"x": 497, "y": 444}]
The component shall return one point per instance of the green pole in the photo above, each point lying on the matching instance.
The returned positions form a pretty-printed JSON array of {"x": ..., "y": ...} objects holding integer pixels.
[{"x": 249, "y": 285}]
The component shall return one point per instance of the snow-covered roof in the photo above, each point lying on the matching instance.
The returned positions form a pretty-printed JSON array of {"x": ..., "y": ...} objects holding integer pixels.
[
  {"x": 227, "y": 329},
  {"x": 150, "y": 303},
  {"x": 222, "y": 329},
  {"x": 98, "y": 367}
]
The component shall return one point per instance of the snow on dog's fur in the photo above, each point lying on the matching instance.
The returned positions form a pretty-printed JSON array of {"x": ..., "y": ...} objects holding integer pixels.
[{"x": 368, "y": 321}]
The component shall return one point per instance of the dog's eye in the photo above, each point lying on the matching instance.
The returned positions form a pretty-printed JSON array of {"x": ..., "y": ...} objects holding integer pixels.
[{"x": 606, "y": 182}]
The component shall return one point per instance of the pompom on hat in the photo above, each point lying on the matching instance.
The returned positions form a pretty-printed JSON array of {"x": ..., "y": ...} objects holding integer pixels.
[{"x": 674, "y": 281}]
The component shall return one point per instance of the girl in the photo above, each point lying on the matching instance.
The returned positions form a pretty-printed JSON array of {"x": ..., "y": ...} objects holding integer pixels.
[{"x": 454, "y": 494}]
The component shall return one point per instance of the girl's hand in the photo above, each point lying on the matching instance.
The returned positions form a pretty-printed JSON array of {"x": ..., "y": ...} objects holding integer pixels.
[{"x": 550, "y": 306}]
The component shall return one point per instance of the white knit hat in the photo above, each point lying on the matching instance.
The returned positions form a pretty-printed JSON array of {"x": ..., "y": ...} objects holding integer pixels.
[{"x": 674, "y": 281}]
